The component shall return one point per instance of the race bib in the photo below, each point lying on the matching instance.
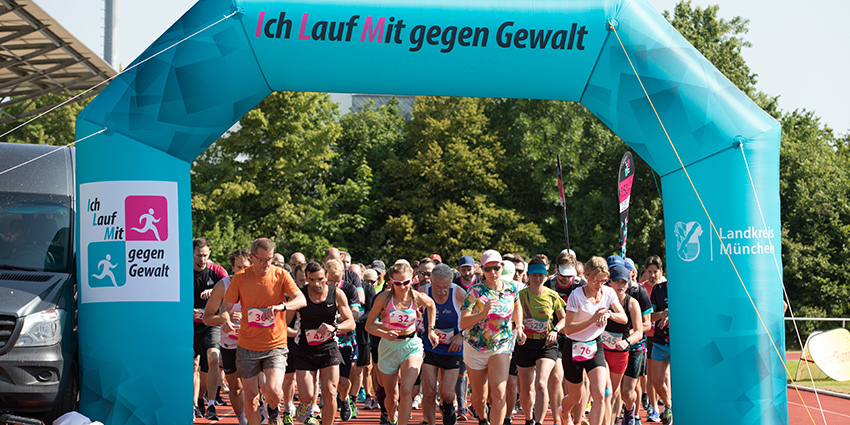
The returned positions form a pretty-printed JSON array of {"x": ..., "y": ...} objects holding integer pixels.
[
  {"x": 255, "y": 318},
  {"x": 198, "y": 315},
  {"x": 401, "y": 319},
  {"x": 229, "y": 339},
  {"x": 314, "y": 337},
  {"x": 583, "y": 350},
  {"x": 445, "y": 336},
  {"x": 503, "y": 309},
  {"x": 610, "y": 339},
  {"x": 420, "y": 325},
  {"x": 535, "y": 326}
]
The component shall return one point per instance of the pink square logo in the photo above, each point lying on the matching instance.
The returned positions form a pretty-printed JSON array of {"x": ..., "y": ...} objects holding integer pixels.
[{"x": 146, "y": 218}]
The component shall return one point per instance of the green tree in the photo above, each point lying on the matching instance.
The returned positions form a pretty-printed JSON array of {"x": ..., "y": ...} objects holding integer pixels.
[
  {"x": 444, "y": 183},
  {"x": 270, "y": 176},
  {"x": 814, "y": 189},
  {"x": 55, "y": 128},
  {"x": 368, "y": 136}
]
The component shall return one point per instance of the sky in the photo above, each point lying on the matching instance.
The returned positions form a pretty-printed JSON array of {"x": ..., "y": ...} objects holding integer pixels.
[{"x": 799, "y": 48}]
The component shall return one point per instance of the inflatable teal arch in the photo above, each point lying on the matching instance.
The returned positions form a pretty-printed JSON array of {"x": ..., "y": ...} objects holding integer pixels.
[{"x": 134, "y": 326}]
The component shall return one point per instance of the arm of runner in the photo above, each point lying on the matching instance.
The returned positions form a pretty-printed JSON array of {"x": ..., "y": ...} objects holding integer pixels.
[
  {"x": 431, "y": 311},
  {"x": 469, "y": 319},
  {"x": 347, "y": 324},
  {"x": 617, "y": 313},
  {"x": 552, "y": 336},
  {"x": 227, "y": 321},
  {"x": 573, "y": 325},
  {"x": 517, "y": 319},
  {"x": 372, "y": 324},
  {"x": 637, "y": 335},
  {"x": 211, "y": 318}
]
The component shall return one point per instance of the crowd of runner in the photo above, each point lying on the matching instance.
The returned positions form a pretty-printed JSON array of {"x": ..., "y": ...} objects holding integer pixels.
[{"x": 586, "y": 343}]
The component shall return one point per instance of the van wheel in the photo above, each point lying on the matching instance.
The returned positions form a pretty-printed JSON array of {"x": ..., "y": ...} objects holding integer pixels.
[{"x": 70, "y": 398}]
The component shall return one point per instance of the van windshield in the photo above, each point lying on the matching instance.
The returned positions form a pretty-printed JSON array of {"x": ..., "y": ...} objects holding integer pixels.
[{"x": 35, "y": 232}]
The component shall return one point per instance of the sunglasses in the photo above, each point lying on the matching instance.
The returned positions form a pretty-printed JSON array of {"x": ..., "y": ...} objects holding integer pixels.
[
  {"x": 490, "y": 269},
  {"x": 371, "y": 282},
  {"x": 425, "y": 274},
  {"x": 400, "y": 282}
]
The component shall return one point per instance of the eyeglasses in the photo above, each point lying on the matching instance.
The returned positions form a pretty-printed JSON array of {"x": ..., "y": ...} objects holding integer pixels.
[
  {"x": 425, "y": 274},
  {"x": 492, "y": 268},
  {"x": 263, "y": 260},
  {"x": 400, "y": 282}
]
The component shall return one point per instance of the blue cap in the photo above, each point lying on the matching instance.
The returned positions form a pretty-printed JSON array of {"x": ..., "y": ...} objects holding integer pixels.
[
  {"x": 618, "y": 273},
  {"x": 466, "y": 260},
  {"x": 615, "y": 260},
  {"x": 630, "y": 264}
]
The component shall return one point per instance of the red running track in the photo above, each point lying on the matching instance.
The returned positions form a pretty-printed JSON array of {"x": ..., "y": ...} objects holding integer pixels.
[{"x": 836, "y": 411}]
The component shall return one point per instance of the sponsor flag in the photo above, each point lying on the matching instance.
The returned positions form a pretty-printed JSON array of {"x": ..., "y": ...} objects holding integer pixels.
[{"x": 624, "y": 190}]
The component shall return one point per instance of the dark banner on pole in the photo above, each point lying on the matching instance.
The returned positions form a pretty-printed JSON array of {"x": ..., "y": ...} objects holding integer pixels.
[{"x": 624, "y": 189}]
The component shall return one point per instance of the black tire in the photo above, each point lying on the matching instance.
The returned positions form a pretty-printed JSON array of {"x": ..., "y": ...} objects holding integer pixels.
[{"x": 69, "y": 400}]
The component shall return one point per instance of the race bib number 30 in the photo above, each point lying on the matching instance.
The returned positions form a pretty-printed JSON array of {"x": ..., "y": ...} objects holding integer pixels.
[
  {"x": 584, "y": 350},
  {"x": 255, "y": 318}
]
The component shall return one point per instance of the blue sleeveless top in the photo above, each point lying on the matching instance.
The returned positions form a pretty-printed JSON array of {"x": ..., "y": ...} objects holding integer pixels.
[{"x": 448, "y": 323}]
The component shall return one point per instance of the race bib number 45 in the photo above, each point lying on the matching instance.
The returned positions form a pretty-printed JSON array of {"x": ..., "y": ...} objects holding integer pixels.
[{"x": 255, "y": 318}]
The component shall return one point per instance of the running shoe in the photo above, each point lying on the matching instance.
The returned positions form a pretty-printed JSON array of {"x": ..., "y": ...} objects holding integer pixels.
[
  {"x": 653, "y": 416},
  {"x": 628, "y": 418},
  {"x": 449, "y": 413},
  {"x": 367, "y": 404},
  {"x": 210, "y": 413},
  {"x": 361, "y": 396},
  {"x": 274, "y": 414},
  {"x": 667, "y": 416},
  {"x": 317, "y": 412},
  {"x": 287, "y": 418},
  {"x": 219, "y": 401},
  {"x": 198, "y": 413},
  {"x": 311, "y": 421},
  {"x": 417, "y": 401},
  {"x": 508, "y": 421},
  {"x": 302, "y": 413},
  {"x": 353, "y": 406},
  {"x": 344, "y": 410},
  {"x": 384, "y": 419},
  {"x": 462, "y": 414}
]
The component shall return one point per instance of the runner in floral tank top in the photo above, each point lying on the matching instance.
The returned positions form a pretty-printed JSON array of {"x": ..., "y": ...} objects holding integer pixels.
[{"x": 493, "y": 333}]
